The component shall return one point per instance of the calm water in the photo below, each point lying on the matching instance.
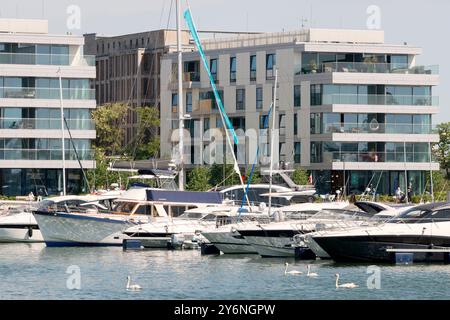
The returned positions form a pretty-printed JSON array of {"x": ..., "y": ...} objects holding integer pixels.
[{"x": 37, "y": 272}]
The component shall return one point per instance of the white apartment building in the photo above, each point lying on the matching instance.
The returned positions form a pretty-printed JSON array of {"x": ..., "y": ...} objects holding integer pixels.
[
  {"x": 352, "y": 109},
  {"x": 31, "y": 61}
]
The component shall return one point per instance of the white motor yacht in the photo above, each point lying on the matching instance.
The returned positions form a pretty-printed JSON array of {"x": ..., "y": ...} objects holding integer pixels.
[
  {"x": 18, "y": 224},
  {"x": 423, "y": 231},
  {"x": 229, "y": 241},
  {"x": 106, "y": 228}
]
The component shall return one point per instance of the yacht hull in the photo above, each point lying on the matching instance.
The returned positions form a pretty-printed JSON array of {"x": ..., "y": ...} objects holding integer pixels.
[
  {"x": 19, "y": 227},
  {"x": 229, "y": 242},
  {"x": 64, "y": 229},
  {"x": 374, "y": 248},
  {"x": 24, "y": 233},
  {"x": 270, "y": 246},
  {"x": 318, "y": 250}
]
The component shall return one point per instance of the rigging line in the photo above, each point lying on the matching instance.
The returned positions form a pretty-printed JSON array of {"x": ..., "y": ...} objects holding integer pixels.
[
  {"x": 76, "y": 154},
  {"x": 137, "y": 141}
]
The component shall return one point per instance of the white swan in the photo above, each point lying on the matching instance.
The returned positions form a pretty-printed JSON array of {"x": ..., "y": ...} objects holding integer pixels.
[
  {"x": 344, "y": 285},
  {"x": 132, "y": 287},
  {"x": 292, "y": 272},
  {"x": 311, "y": 274}
]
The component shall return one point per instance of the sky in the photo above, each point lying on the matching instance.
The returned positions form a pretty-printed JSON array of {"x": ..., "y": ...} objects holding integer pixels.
[{"x": 420, "y": 23}]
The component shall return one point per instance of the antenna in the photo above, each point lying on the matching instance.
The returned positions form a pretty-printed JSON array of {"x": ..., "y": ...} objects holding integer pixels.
[{"x": 303, "y": 20}]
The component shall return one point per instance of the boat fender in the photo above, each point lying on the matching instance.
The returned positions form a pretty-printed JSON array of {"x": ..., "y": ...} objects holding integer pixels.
[{"x": 30, "y": 232}]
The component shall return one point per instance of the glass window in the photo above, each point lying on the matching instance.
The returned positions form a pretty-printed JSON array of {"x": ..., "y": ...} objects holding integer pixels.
[
  {"x": 297, "y": 97},
  {"x": 233, "y": 69},
  {"x": 331, "y": 122},
  {"x": 188, "y": 102},
  {"x": 316, "y": 95},
  {"x": 174, "y": 102},
  {"x": 259, "y": 98},
  {"x": 270, "y": 63},
  {"x": 398, "y": 61},
  {"x": 174, "y": 99},
  {"x": 316, "y": 123},
  {"x": 349, "y": 94},
  {"x": 422, "y": 96},
  {"x": 43, "y": 52},
  {"x": 309, "y": 62},
  {"x": 263, "y": 121},
  {"x": 213, "y": 68},
  {"x": 206, "y": 124},
  {"x": 240, "y": 99},
  {"x": 295, "y": 124},
  {"x": 253, "y": 68},
  {"x": 297, "y": 152},
  {"x": 327, "y": 62},
  {"x": 60, "y": 54}
]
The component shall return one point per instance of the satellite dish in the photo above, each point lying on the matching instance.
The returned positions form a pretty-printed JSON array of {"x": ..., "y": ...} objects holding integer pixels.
[{"x": 374, "y": 125}]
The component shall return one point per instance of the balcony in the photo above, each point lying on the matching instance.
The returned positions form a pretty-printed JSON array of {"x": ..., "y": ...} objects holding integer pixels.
[
  {"x": 45, "y": 124},
  {"x": 375, "y": 156},
  {"x": 380, "y": 128},
  {"x": 364, "y": 67},
  {"x": 375, "y": 99},
  {"x": 47, "y": 93},
  {"x": 47, "y": 59},
  {"x": 45, "y": 154}
]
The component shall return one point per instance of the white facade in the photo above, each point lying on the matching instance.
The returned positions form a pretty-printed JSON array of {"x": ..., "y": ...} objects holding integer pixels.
[
  {"x": 31, "y": 61},
  {"x": 370, "y": 88}
]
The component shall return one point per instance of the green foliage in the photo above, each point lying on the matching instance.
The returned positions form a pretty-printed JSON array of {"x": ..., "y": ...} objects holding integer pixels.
[
  {"x": 441, "y": 149},
  {"x": 145, "y": 144},
  {"x": 198, "y": 179},
  {"x": 256, "y": 177},
  {"x": 223, "y": 175},
  {"x": 109, "y": 124},
  {"x": 300, "y": 177},
  {"x": 100, "y": 178}
]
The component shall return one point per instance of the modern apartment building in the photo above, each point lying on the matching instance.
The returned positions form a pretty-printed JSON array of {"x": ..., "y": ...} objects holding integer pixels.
[
  {"x": 352, "y": 109},
  {"x": 128, "y": 68},
  {"x": 31, "y": 62}
]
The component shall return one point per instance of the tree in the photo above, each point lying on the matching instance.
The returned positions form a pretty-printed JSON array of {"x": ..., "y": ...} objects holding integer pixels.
[
  {"x": 100, "y": 177},
  {"x": 198, "y": 179},
  {"x": 223, "y": 175},
  {"x": 300, "y": 177},
  {"x": 441, "y": 149},
  {"x": 109, "y": 123},
  {"x": 256, "y": 177},
  {"x": 145, "y": 144}
]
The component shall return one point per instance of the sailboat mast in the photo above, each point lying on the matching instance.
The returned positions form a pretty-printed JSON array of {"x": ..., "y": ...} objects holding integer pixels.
[
  {"x": 272, "y": 140},
  {"x": 180, "y": 100},
  {"x": 431, "y": 172},
  {"x": 63, "y": 149}
]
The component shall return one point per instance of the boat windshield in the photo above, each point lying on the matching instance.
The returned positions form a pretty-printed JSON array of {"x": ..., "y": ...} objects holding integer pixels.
[
  {"x": 341, "y": 214},
  {"x": 124, "y": 207},
  {"x": 413, "y": 215},
  {"x": 191, "y": 215}
]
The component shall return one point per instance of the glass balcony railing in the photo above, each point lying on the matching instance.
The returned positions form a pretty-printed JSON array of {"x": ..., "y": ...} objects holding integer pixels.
[
  {"x": 376, "y": 127},
  {"x": 47, "y": 59},
  {"x": 366, "y": 67},
  {"x": 375, "y": 99},
  {"x": 47, "y": 93},
  {"x": 344, "y": 156},
  {"x": 45, "y": 124},
  {"x": 45, "y": 154}
]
